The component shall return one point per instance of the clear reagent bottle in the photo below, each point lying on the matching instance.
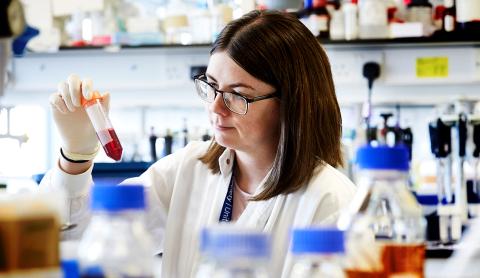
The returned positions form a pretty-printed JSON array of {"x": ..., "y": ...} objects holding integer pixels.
[{"x": 116, "y": 242}]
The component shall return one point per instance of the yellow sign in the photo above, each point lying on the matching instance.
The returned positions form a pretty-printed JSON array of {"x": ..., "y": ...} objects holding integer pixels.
[{"x": 432, "y": 67}]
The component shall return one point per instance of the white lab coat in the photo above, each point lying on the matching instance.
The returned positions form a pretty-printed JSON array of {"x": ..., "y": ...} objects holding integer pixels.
[{"x": 185, "y": 196}]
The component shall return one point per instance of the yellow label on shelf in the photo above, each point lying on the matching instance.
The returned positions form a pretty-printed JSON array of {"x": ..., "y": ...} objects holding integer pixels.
[{"x": 432, "y": 67}]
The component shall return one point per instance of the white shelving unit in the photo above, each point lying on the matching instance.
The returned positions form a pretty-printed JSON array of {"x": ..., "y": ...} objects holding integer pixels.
[{"x": 411, "y": 73}]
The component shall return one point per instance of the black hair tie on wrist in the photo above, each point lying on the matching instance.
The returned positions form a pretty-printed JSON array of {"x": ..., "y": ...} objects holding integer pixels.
[{"x": 71, "y": 160}]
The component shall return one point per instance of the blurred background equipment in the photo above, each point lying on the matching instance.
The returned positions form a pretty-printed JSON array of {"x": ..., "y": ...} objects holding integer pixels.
[
  {"x": 12, "y": 24},
  {"x": 285, "y": 4},
  {"x": 30, "y": 235}
]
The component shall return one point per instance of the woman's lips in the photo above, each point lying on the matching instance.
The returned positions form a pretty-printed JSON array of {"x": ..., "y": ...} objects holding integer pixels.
[{"x": 222, "y": 128}]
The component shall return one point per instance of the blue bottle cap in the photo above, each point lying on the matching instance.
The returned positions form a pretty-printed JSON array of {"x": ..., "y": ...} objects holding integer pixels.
[
  {"x": 117, "y": 197},
  {"x": 70, "y": 268},
  {"x": 383, "y": 158},
  {"x": 317, "y": 240},
  {"x": 229, "y": 243}
]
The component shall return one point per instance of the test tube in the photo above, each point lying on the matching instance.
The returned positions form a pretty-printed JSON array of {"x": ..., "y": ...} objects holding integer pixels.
[{"x": 102, "y": 125}]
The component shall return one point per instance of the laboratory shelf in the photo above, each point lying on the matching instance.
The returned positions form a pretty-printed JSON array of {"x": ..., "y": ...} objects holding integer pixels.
[
  {"x": 438, "y": 40},
  {"x": 414, "y": 70},
  {"x": 111, "y": 173},
  {"x": 115, "y": 173}
]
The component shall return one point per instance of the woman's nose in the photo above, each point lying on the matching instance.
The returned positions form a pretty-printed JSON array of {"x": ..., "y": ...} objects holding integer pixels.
[{"x": 218, "y": 106}]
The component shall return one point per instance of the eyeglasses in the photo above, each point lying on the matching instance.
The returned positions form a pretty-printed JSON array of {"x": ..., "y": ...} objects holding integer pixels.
[{"x": 234, "y": 101}]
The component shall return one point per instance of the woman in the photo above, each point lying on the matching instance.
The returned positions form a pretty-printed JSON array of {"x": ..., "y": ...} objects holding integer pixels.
[{"x": 277, "y": 127}]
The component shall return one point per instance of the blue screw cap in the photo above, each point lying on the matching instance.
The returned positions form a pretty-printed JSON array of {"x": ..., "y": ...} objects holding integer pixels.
[{"x": 117, "y": 197}]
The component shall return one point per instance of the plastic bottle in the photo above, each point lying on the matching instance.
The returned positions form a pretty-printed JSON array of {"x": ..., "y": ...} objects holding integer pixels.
[
  {"x": 468, "y": 16},
  {"x": 69, "y": 258},
  {"x": 230, "y": 252},
  {"x": 152, "y": 139},
  {"x": 350, "y": 12},
  {"x": 116, "y": 242},
  {"x": 337, "y": 25},
  {"x": 206, "y": 265},
  {"x": 200, "y": 20},
  {"x": 167, "y": 147},
  {"x": 221, "y": 14},
  {"x": 175, "y": 23},
  {"x": 304, "y": 14},
  {"x": 373, "y": 19},
  {"x": 386, "y": 228},
  {"x": 420, "y": 11},
  {"x": 185, "y": 136},
  {"x": 318, "y": 253},
  {"x": 449, "y": 16},
  {"x": 319, "y": 19}
]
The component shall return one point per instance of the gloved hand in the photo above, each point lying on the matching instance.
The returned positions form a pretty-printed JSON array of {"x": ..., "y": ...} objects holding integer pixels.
[{"x": 79, "y": 139}]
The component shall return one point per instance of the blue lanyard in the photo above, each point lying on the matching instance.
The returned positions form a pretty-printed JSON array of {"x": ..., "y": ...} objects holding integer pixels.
[{"x": 227, "y": 208}]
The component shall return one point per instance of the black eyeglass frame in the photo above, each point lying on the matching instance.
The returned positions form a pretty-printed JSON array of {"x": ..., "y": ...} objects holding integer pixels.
[{"x": 202, "y": 78}]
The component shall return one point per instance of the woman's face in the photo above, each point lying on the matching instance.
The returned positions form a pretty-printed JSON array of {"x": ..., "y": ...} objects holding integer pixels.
[{"x": 260, "y": 127}]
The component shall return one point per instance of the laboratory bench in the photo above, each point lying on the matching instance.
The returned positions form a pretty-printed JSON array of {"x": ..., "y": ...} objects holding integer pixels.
[{"x": 111, "y": 173}]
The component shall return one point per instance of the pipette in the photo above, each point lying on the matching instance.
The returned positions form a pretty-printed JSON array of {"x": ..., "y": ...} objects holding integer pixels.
[
  {"x": 441, "y": 147},
  {"x": 460, "y": 185},
  {"x": 476, "y": 155},
  {"x": 102, "y": 125}
]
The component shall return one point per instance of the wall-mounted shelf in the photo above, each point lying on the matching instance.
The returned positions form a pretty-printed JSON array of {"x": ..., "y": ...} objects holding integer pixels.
[
  {"x": 440, "y": 40},
  {"x": 160, "y": 74}
]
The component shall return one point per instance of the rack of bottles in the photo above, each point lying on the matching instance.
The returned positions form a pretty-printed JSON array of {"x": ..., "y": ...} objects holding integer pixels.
[
  {"x": 176, "y": 22},
  {"x": 371, "y": 19}
]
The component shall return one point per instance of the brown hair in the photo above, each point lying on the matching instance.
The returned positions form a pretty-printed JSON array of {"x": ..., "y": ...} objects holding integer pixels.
[{"x": 278, "y": 49}]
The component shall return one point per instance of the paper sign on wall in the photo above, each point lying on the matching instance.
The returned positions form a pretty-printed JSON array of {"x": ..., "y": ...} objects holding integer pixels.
[{"x": 432, "y": 67}]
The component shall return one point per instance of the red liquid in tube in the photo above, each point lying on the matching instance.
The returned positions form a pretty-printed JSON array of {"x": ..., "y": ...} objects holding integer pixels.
[{"x": 113, "y": 148}]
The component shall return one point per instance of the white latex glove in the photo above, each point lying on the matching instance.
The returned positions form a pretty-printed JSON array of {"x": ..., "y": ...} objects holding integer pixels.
[{"x": 76, "y": 130}]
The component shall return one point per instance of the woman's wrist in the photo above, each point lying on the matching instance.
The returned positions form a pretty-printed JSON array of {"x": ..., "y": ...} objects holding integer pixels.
[{"x": 71, "y": 166}]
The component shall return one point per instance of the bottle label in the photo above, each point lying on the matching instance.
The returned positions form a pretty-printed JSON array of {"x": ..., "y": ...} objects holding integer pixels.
[
  {"x": 27, "y": 243},
  {"x": 391, "y": 260},
  {"x": 449, "y": 22}
]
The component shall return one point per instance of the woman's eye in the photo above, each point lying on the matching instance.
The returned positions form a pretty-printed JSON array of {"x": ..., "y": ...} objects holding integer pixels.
[{"x": 212, "y": 83}]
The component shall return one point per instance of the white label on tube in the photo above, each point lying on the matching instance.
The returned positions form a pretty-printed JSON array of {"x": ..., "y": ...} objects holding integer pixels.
[
  {"x": 98, "y": 118},
  {"x": 104, "y": 136}
]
